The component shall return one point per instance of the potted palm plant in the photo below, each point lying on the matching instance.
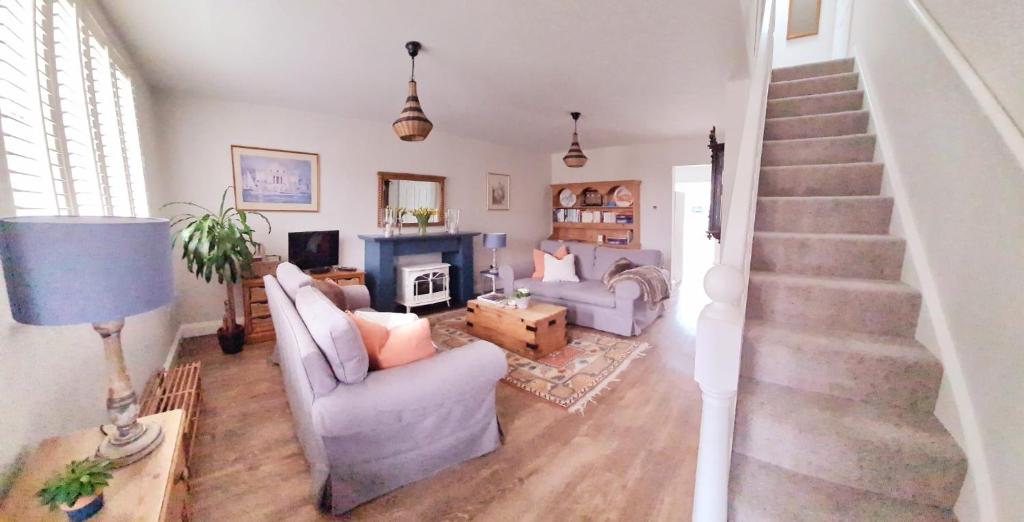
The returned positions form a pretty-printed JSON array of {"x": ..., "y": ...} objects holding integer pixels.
[
  {"x": 78, "y": 490},
  {"x": 219, "y": 244}
]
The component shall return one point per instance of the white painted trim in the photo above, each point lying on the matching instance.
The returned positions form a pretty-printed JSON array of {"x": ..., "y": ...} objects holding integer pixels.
[
  {"x": 990, "y": 106},
  {"x": 185, "y": 331},
  {"x": 916, "y": 255}
]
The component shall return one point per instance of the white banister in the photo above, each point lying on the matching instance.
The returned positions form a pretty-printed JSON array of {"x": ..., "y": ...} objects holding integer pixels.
[{"x": 720, "y": 326}]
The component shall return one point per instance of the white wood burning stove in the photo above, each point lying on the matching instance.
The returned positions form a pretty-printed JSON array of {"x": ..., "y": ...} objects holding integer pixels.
[{"x": 423, "y": 284}]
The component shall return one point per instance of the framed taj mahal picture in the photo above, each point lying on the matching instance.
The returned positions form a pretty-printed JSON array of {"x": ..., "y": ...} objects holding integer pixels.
[{"x": 272, "y": 179}]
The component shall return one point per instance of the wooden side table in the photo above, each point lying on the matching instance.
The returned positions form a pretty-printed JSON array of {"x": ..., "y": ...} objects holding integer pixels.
[
  {"x": 154, "y": 488},
  {"x": 258, "y": 325}
]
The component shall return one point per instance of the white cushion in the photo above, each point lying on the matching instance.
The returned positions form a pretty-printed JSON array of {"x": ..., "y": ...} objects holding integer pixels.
[
  {"x": 292, "y": 278},
  {"x": 335, "y": 333},
  {"x": 560, "y": 269},
  {"x": 388, "y": 320}
]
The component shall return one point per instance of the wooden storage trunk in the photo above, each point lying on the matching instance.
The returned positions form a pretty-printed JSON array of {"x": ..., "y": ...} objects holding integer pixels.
[{"x": 533, "y": 332}]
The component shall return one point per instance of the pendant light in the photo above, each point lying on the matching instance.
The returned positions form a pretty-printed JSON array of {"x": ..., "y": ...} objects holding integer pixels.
[
  {"x": 575, "y": 158},
  {"x": 412, "y": 124}
]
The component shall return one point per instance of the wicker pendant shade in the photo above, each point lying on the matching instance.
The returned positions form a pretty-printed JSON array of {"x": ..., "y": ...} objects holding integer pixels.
[
  {"x": 575, "y": 157},
  {"x": 412, "y": 124}
]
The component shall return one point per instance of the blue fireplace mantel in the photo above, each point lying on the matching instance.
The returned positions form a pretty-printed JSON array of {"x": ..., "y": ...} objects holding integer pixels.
[{"x": 379, "y": 257}]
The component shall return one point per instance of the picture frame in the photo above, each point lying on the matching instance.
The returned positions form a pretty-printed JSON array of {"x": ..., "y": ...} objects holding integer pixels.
[
  {"x": 803, "y": 19},
  {"x": 275, "y": 179},
  {"x": 499, "y": 189}
]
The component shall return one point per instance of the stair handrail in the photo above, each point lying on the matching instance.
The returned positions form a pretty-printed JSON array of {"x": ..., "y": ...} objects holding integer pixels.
[{"x": 720, "y": 325}]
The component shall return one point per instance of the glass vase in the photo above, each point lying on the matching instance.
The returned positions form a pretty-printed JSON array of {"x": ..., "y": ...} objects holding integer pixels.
[
  {"x": 422, "y": 228},
  {"x": 451, "y": 220}
]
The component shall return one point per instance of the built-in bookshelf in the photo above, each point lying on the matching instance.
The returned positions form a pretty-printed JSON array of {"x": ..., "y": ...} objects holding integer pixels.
[{"x": 601, "y": 212}]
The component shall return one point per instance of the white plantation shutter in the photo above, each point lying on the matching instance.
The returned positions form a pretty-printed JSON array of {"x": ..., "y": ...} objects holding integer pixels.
[{"x": 67, "y": 115}]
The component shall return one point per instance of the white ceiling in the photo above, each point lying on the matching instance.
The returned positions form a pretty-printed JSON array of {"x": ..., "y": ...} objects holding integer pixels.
[{"x": 502, "y": 71}]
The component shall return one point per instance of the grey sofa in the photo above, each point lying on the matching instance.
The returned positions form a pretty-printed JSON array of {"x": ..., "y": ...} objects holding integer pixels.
[
  {"x": 397, "y": 426},
  {"x": 622, "y": 311}
]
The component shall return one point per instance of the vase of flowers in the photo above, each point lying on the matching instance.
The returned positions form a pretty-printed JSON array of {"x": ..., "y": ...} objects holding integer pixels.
[
  {"x": 400, "y": 213},
  {"x": 522, "y": 298},
  {"x": 423, "y": 216},
  {"x": 78, "y": 490}
]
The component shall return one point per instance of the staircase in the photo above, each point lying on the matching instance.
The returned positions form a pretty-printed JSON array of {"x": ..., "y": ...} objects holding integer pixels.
[{"x": 834, "y": 414}]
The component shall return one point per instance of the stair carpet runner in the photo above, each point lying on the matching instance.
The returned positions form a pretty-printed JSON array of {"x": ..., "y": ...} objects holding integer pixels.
[{"x": 834, "y": 417}]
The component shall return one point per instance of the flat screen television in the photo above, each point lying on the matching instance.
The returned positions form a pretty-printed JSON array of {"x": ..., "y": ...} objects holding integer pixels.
[{"x": 315, "y": 251}]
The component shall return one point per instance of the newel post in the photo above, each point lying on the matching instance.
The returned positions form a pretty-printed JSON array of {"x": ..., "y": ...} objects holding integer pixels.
[{"x": 717, "y": 369}]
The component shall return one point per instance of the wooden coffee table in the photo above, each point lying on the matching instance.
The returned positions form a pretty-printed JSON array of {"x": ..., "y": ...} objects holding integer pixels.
[{"x": 532, "y": 332}]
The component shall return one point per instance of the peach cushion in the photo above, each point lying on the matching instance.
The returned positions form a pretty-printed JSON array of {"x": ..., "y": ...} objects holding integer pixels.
[
  {"x": 538, "y": 260},
  {"x": 400, "y": 345}
]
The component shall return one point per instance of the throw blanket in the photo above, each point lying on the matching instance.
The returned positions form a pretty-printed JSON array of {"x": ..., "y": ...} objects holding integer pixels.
[{"x": 654, "y": 282}]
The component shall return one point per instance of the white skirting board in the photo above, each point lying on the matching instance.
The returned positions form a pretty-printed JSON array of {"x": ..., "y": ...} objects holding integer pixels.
[{"x": 190, "y": 330}]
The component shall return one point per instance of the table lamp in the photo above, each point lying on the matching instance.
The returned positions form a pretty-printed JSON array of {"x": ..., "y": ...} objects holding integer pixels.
[
  {"x": 494, "y": 241},
  {"x": 98, "y": 270}
]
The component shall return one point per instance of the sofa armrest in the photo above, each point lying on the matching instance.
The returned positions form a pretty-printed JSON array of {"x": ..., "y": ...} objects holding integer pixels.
[
  {"x": 357, "y": 297},
  {"x": 508, "y": 273},
  {"x": 428, "y": 384},
  {"x": 626, "y": 294}
]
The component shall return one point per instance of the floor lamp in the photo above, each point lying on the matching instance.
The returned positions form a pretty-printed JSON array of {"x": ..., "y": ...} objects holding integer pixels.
[{"x": 96, "y": 270}]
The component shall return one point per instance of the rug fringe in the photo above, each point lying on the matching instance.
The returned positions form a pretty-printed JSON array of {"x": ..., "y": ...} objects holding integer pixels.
[{"x": 591, "y": 396}]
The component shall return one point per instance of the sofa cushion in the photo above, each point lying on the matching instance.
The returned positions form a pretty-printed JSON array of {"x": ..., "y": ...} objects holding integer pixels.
[
  {"x": 560, "y": 269},
  {"x": 291, "y": 279},
  {"x": 332, "y": 291},
  {"x": 538, "y": 260},
  {"x": 589, "y": 292},
  {"x": 388, "y": 320},
  {"x": 584, "y": 253},
  {"x": 606, "y": 256},
  {"x": 401, "y": 344},
  {"x": 335, "y": 334}
]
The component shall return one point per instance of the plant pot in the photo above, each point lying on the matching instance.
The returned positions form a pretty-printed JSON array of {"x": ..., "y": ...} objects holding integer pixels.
[
  {"x": 84, "y": 508},
  {"x": 522, "y": 303},
  {"x": 233, "y": 341}
]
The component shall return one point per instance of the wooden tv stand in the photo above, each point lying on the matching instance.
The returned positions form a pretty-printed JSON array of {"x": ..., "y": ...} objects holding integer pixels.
[{"x": 258, "y": 326}]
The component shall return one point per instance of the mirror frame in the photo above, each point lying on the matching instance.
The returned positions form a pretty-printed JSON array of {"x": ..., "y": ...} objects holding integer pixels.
[
  {"x": 384, "y": 177},
  {"x": 789, "y": 23}
]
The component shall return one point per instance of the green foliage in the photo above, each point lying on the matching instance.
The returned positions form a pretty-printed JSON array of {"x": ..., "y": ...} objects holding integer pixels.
[
  {"x": 82, "y": 478},
  {"x": 522, "y": 293},
  {"x": 217, "y": 244}
]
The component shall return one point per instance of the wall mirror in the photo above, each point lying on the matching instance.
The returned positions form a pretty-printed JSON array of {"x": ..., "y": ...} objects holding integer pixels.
[
  {"x": 397, "y": 189},
  {"x": 803, "y": 20}
]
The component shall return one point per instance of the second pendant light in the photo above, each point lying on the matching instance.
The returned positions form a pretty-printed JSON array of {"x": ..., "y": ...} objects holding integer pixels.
[{"x": 575, "y": 157}]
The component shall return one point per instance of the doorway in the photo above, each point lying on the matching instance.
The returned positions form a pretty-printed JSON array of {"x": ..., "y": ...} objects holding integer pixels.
[{"x": 692, "y": 252}]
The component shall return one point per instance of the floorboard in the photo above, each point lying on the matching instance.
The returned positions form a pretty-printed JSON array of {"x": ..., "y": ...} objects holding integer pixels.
[{"x": 630, "y": 456}]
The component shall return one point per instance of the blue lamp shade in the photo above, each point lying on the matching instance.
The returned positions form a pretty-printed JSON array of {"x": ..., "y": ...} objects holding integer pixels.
[
  {"x": 73, "y": 270},
  {"x": 495, "y": 239}
]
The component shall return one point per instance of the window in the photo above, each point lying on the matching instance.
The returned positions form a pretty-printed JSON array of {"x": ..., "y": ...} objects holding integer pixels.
[{"x": 67, "y": 115}]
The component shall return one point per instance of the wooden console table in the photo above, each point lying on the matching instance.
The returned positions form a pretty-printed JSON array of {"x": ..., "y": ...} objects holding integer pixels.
[
  {"x": 258, "y": 325},
  {"x": 152, "y": 489}
]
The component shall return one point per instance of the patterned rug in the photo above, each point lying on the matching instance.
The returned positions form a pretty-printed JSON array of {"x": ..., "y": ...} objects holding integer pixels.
[{"x": 571, "y": 377}]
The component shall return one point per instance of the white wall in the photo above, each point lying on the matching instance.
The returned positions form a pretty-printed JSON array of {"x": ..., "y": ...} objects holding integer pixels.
[
  {"x": 197, "y": 134},
  {"x": 652, "y": 164},
  {"x": 959, "y": 193},
  {"x": 807, "y": 49},
  {"x": 988, "y": 33}
]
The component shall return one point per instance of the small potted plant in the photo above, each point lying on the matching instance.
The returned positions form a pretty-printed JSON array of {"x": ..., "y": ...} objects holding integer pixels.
[
  {"x": 219, "y": 244},
  {"x": 522, "y": 298},
  {"x": 78, "y": 491},
  {"x": 423, "y": 216}
]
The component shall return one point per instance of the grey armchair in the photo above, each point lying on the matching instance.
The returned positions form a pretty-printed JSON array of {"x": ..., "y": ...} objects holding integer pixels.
[{"x": 397, "y": 426}]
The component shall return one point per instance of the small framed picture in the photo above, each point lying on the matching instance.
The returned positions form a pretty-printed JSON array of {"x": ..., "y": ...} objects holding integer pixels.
[
  {"x": 498, "y": 189},
  {"x": 273, "y": 179}
]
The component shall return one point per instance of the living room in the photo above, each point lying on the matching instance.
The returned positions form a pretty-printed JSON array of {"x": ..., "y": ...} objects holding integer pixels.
[{"x": 435, "y": 261}]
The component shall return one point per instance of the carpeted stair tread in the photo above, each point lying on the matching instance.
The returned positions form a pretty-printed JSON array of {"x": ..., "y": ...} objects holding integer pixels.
[
  {"x": 817, "y": 125},
  {"x": 858, "y": 305},
  {"x": 761, "y": 492},
  {"x": 866, "y": 256},
  {"x": 892, "y": 451},
  {"x": 815, "y": 85},
  {"x": 815, "y": 104},
  {"x": 878, "y": 369},
  {"x": 810, "y": 70},
  {"x": 824, "y": 214},
  {"x": 854, "y": 148},
  {"x": 843, "y": 179}
]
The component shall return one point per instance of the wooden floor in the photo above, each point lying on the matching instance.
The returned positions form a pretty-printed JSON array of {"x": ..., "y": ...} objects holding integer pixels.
[{"x": 632, "y": 455}]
